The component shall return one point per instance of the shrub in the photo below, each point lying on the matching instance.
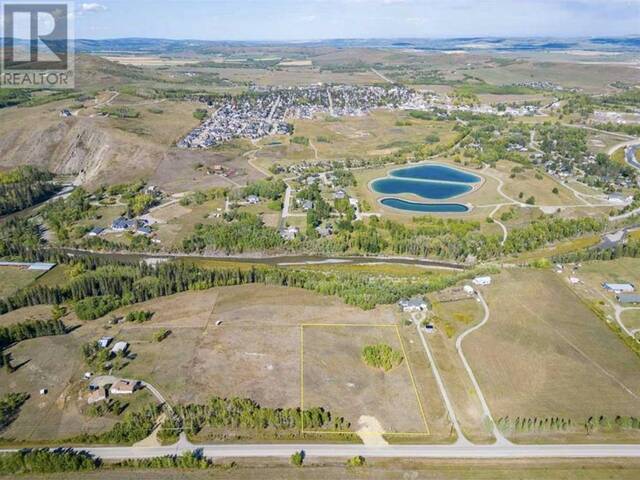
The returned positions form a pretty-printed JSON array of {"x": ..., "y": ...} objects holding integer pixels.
[
  {"x": 357, "y": 461},
  {"x": 138, "y": 316},
  {"x": 297, "y": 458}
]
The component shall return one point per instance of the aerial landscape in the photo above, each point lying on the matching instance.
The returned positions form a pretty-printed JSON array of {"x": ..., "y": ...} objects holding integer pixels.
[{"x": 329, "y": 239}]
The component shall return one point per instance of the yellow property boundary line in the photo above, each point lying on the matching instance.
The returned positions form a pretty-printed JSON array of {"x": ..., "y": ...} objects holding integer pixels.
[{"x": 404, "y": 353}]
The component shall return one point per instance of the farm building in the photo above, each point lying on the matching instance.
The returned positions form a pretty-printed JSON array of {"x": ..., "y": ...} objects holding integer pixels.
[
  {"x": 482, "y": 280},
  {"x": 627, "y": 298},
  {"x": 619, "y": 287},
  {"x": 119, "y": 347}
]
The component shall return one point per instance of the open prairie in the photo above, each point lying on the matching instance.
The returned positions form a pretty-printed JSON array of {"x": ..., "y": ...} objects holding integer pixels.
[{"x": 543, "y": 353}]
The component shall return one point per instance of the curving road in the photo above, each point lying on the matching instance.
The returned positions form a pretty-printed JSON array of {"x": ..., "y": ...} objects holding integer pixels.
[{"x": 500, "y": 439}]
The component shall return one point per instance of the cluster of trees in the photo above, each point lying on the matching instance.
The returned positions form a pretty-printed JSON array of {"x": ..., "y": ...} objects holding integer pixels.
[
  {"x": 23, "y": 187},
  {"x": 63, "y": 214},
  {"x": 381, "y": 356},
  {"x": 18, "y": 236},
  {"x": 102, "y": 409},
  {"x": 244, "y": 413},
  {"x": 135, "y": 426},
  {"x": 101, "y": 359},
  {"x": 10, "y": 406},
  {"x": 90, "y": 308},
  {"x": 30, "y": 461},
  {"x": 269, "y": 188},
  {"x": 138, "y": 316},
  {"x": 200, "y": 196},
  {"x": 239, "y": 232}
]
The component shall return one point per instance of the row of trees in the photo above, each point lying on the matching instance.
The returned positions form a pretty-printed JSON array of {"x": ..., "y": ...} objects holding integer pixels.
[
  {"x": 244, "y": 413},
  {"x": 561, "y": 424},
  {"x": 43, "y": 460},
  {"x": 18, "y": 332},
  {"x": 23, "y": 187}
]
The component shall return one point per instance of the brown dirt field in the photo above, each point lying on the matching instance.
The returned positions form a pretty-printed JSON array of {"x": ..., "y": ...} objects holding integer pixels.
[{"x": 544, "y": 353}]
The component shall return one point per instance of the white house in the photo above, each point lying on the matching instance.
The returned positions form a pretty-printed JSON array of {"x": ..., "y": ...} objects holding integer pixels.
[
  {"x": 481, "y": 281},
  {"x": 415, "y": 304},
  {"x": 104, "y": 341},
  {"x": 119, "y": 347},
  {"x": 468, "y": 289},
  {"x": 619, "y": 287}
]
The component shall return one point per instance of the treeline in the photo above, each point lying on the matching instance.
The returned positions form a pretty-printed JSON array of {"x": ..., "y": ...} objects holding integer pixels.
[
  {"x": 244, "y": 413},
  {"x": 127, "y": 284},
  {"x": 10, "y": 406},
  {"x": 43, "y": 460},
  {"x": 23, "y": 187},
  {"x": 631, "y": 249},
  {"x": 18, "y": 332}
]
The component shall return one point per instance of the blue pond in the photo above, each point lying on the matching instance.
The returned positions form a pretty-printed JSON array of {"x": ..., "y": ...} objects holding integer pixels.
[
  {"x": 423, "y": 188},
  {"x": 431, "y": 182},
  {"x": 424, "y": 207},
  {"x": 440, "y": 173}
]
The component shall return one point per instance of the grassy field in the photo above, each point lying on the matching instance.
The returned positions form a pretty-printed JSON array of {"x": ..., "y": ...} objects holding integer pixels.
[
  {"x": 454, "y": 312},
  {"x": 544, "y": 353},
  {"x": 327, "y": 349},
  {"x": 13, "y": 279}
]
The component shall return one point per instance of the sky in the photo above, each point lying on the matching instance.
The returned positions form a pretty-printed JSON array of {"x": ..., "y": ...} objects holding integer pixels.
[{"x": 330, "y": 19}]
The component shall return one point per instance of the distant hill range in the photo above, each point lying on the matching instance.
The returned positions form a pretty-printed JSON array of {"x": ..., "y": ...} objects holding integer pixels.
[{"x": 476, "y": 44}]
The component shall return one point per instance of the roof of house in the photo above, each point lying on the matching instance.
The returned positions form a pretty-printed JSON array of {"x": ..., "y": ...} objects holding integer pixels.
[
  {"x": 629, "y": 298},
  {"x": 124, "y": 385},
  {"x": 618, "y": 286},
  {"x": 120, "y": 347}
]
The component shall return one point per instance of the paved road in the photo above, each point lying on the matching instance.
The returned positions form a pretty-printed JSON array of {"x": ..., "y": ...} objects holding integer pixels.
[
  {"x": 388, "y": 451},
  {"x": 630, "y": 155}
]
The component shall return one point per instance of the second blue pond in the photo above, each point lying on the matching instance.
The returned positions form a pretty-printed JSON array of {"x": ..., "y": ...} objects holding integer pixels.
[{"x": 423, "y": 188}]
